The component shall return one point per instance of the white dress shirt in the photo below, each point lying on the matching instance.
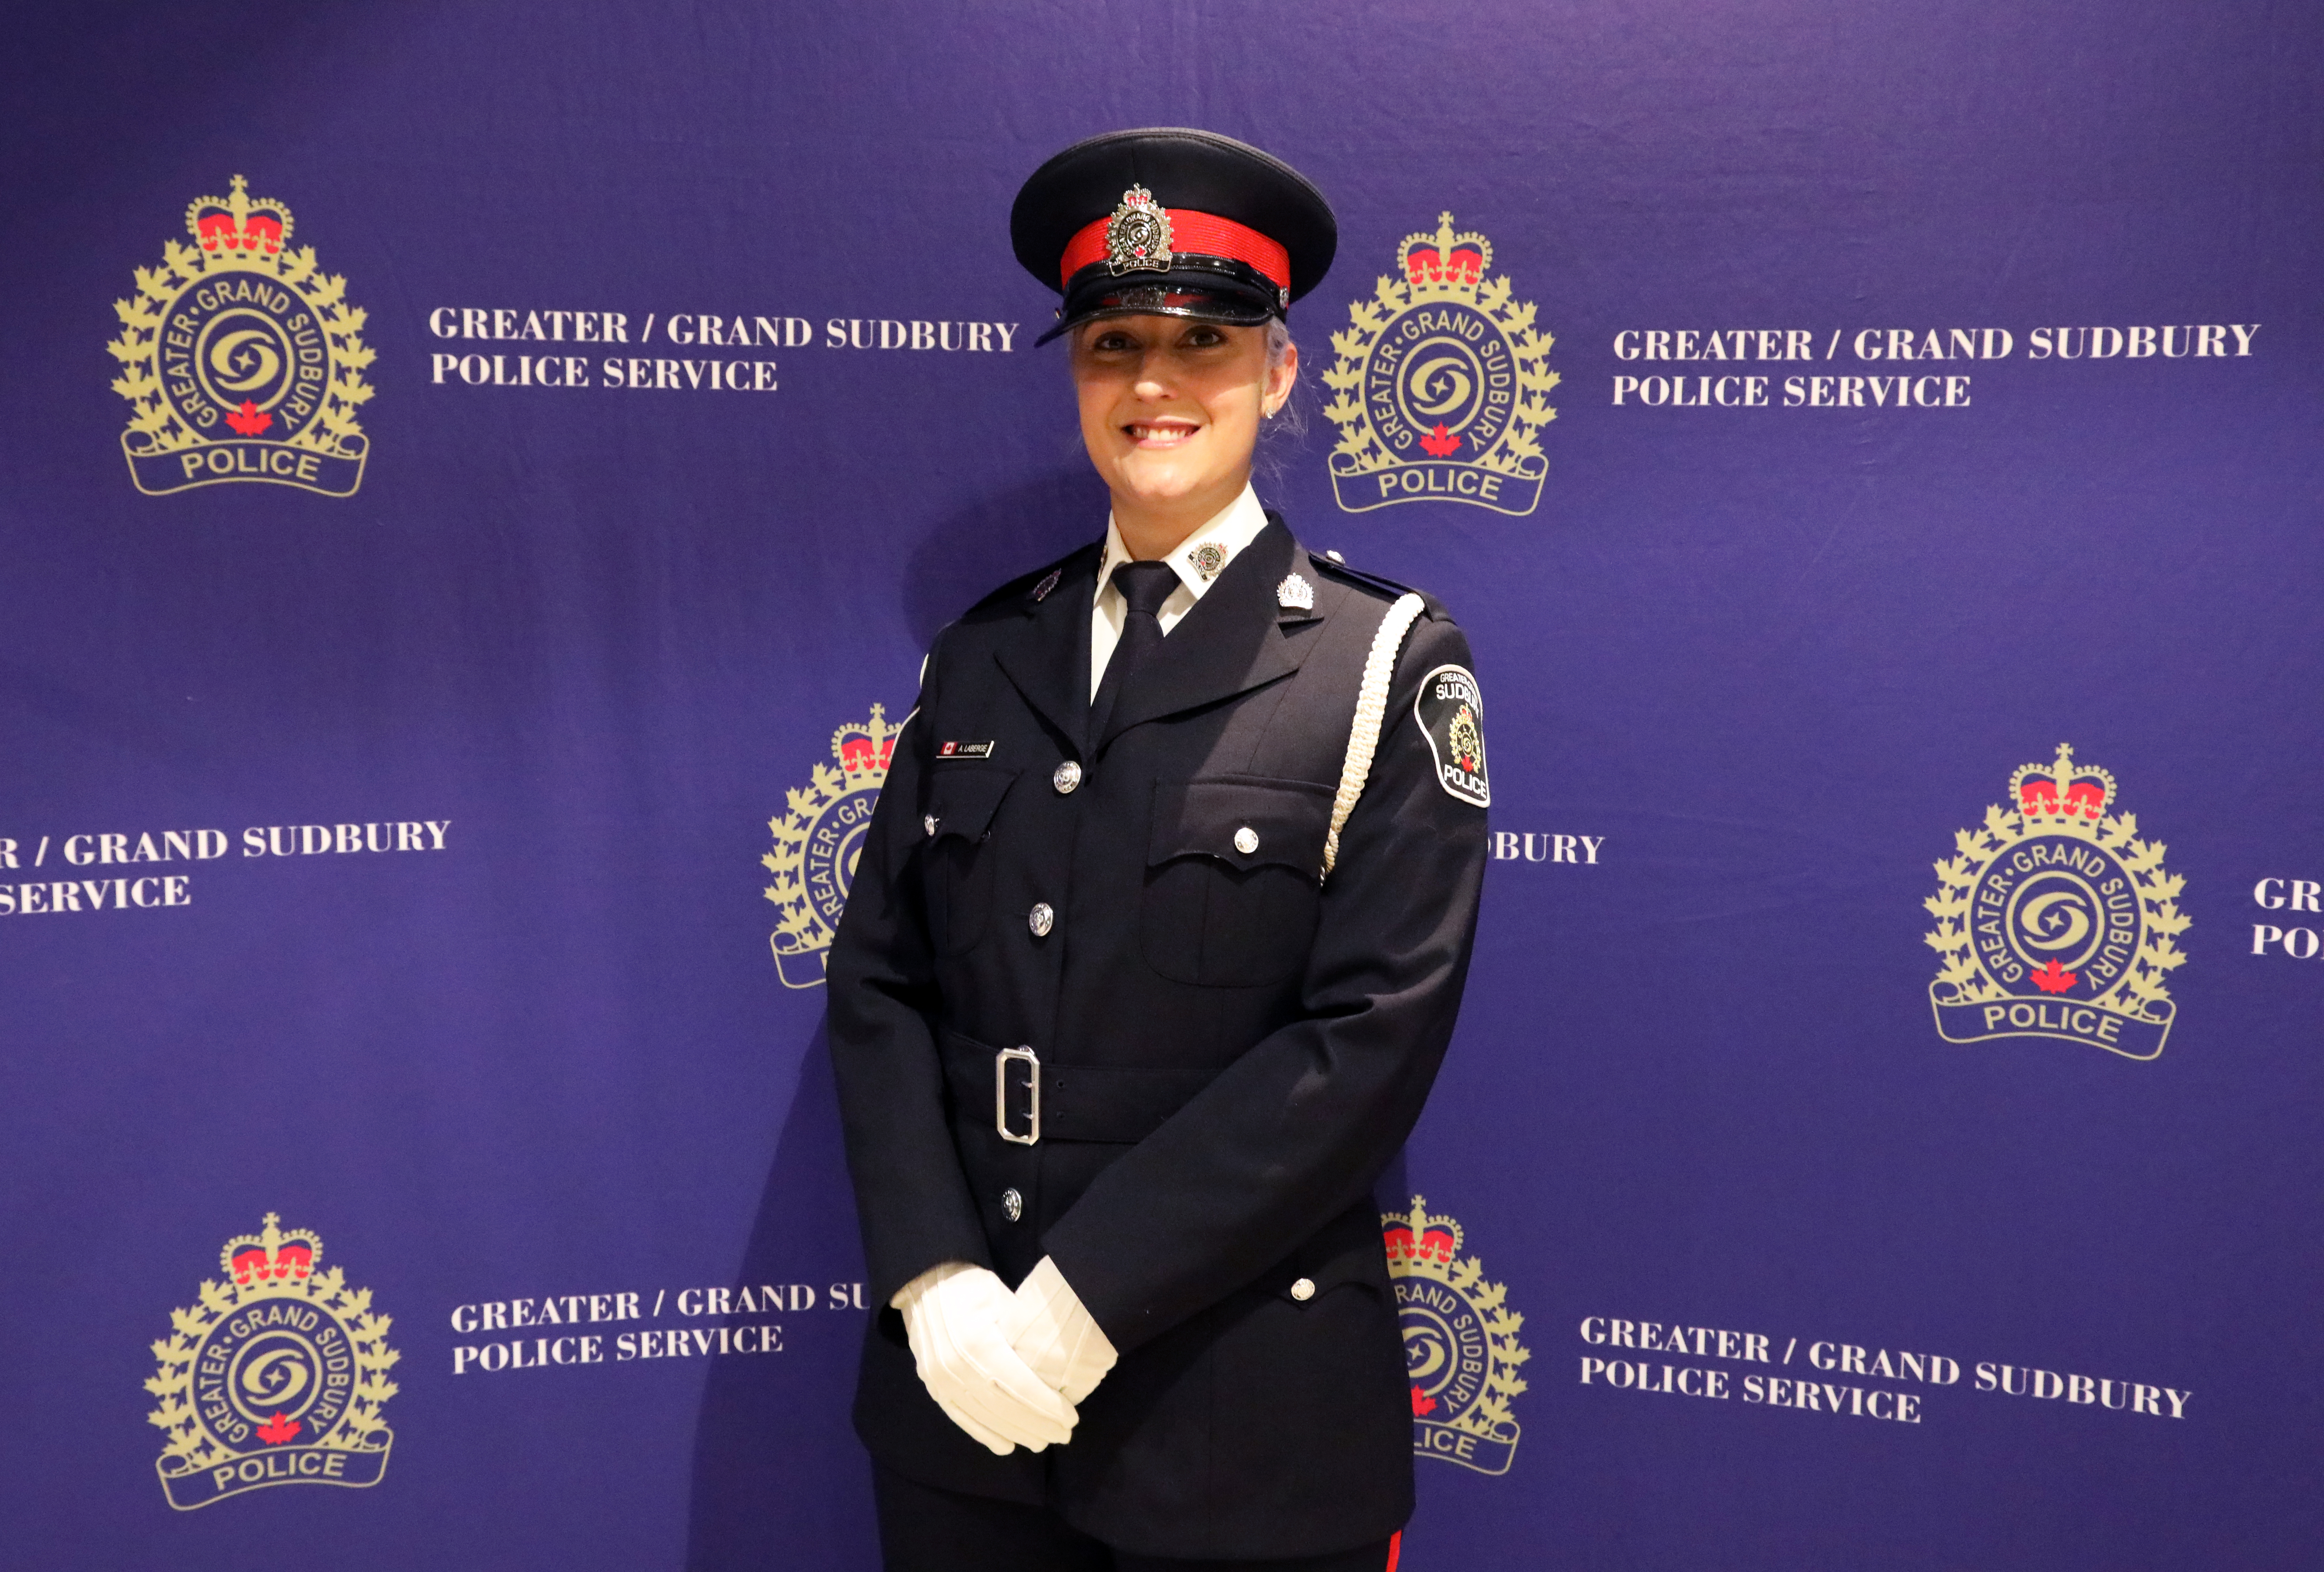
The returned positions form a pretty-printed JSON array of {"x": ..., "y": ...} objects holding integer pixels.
[{"x": 1229, "y": 532}]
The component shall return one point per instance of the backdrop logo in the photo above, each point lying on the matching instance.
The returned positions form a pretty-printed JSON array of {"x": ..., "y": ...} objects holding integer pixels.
[
  {"x": 2056, "y": 920},
  {"x": 816, "y": 845},
  {"x": 275, "y": 1377},
  {"x": 1461, "y": 1343},
  {"x": 1443, "y": 382},
  {"x": 240, "y": 362}
]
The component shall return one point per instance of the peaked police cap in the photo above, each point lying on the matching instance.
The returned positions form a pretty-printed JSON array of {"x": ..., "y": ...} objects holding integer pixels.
[{"x": 1174, "y": 222}]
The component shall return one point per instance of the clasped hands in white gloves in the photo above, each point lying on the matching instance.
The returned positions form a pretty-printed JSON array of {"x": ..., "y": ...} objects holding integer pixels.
[{"x": 1006, "y": 1368}]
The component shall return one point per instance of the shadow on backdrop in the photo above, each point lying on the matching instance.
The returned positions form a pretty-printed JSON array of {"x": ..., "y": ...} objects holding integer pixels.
[{"x": 773, "y": 1432}]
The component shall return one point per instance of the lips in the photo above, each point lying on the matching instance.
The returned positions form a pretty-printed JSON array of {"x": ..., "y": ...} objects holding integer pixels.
[{"x": 1159, "y": 434}]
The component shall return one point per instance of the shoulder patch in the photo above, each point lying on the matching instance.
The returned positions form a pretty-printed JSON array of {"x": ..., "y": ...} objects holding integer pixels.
[{"x": 1451, "y": 714}]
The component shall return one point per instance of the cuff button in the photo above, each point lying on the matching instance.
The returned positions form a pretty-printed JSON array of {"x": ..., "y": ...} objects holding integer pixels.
[{"x": 1303, "y": 1289}]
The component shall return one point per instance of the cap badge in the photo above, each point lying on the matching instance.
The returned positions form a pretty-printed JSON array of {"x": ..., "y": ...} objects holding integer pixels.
[
  {"x": 1208, "y": 558},
  {"x": 1295, "y": 594},
  {"x": 1137, "y": 236}
]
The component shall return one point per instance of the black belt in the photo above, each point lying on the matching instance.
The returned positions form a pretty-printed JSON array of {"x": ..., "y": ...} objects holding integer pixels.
[{"x": 1066, "y": 1102}]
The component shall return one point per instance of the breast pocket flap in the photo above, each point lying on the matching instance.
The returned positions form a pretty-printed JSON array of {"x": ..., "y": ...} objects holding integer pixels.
[
  {"x": 963, "y": 800},
  {"x": 1244, "y": 822}
]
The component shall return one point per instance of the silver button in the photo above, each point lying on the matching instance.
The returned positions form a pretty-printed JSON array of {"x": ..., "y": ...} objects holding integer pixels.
[
  {"x": 1040, "y": 919},
  {"x": 929, "y": 824},
  {"x": 1013, "y": 1204},
  {"x": 1246, "y": 840},
  {"x": 1303, "y": 1289},
  {"x": 1066, "y": 776}
]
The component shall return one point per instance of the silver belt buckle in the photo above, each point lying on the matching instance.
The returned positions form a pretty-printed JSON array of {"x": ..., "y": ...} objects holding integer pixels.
[{"x": 1000, "y": 1094}]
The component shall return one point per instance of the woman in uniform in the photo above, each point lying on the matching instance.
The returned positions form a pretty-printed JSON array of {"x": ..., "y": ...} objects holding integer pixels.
[{"x": 1153, "y": 950}]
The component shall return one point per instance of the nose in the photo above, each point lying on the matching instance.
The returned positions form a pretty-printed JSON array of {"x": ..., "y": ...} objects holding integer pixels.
[{"x": 1153, "y": 379}]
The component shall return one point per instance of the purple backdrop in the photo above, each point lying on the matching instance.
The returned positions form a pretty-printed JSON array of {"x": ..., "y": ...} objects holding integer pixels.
[{"x": 511, "y": 734}]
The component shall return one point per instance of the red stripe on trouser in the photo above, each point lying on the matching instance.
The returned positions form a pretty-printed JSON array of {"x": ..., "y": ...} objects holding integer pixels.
[{"x": 1394, "y": 1549}]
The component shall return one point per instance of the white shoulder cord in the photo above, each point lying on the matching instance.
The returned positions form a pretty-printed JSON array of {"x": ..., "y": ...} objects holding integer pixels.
[{"x": 1371, "y": 710}]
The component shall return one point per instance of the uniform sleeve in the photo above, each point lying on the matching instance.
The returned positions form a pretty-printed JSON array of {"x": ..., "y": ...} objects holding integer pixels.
[
  {"x": 1295, "y": 1131},
  {"x": 911, "y": 1198}
]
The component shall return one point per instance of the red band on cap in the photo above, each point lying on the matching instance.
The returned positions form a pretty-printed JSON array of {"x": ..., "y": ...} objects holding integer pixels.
[{"x": 1200, "y": 234}]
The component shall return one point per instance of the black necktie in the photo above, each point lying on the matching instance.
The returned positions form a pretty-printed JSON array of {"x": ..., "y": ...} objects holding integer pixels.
[{"x": 1144, "y": 586}]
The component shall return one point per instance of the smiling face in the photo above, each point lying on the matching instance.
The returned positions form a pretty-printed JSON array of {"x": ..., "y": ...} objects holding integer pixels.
[{"x": 1170, "y": 411}]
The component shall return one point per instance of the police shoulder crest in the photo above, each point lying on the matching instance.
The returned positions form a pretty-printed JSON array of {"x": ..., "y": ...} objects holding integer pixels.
[{"x": 1451, "y": 714}]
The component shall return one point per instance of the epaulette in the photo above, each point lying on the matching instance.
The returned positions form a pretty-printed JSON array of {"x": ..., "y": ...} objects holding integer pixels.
[{"x": 1331, "y": 563}]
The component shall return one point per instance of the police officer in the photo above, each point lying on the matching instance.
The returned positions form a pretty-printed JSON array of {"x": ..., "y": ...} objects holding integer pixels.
[{"x": 1153, "y": 949}]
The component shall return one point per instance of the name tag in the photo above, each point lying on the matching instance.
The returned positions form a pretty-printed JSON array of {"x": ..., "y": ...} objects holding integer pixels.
[{"x": 964, "y": 750}]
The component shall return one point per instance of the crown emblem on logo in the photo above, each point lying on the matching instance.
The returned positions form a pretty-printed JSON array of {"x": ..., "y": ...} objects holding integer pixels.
[
  {"x": 269, "y": 1255},
  {"x": 2062, "y": 791},
  {"x": 1445, "y": 258},
  {"x": 260, "y": 226},
  {"x": 865, "y": 749},
  {"x": 1137, "y": 236},
  {"x": 1414, "y": 1237}
]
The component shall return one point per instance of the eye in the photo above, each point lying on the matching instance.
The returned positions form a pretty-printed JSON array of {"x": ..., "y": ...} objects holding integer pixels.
[
  {"x": 1202, "y": 336},
  {"x": 1112, "y": 342}
]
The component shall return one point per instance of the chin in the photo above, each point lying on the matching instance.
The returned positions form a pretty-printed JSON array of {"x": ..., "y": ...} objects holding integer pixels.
[{"x": 1160, "y": 485}]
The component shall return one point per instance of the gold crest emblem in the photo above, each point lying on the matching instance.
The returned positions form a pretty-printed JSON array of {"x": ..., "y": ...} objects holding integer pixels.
[
  {"x": 275, "y": 1375},
  {"x": 2055, "y": 919},
  {"x": 1461, "y": 1346},
  {"x": 818, "y": 843},
  {"x": 240, "y": 360},
  {"x": 1443, "y": 384}
]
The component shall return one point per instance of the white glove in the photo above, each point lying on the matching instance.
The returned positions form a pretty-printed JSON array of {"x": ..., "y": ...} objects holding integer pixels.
[
  {"x": 1056, "y": 1338},
  {"x": 952, "y": 1313}
]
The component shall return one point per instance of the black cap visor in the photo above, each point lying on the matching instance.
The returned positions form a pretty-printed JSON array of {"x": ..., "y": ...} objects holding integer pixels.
[{"x": 1199, "y": 289}]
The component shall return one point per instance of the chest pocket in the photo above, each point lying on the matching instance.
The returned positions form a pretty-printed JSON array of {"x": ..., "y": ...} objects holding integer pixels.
[
  {"x": 957, "y": 862},
  {"x": 1231, "y": 893}
]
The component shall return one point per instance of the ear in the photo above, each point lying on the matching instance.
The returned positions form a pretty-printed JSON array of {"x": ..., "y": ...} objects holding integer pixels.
[{"x": 1280, "y": 378}]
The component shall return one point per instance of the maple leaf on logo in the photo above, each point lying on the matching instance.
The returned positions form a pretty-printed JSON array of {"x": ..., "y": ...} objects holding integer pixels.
[
  {"x": 2053, "y": 978},
  {"x": 1422, "y": 1403},
  {"x": 278, "y": 1429},
  {"x": 1440, "y": 442},
  {"x": 249, "y": 420}
]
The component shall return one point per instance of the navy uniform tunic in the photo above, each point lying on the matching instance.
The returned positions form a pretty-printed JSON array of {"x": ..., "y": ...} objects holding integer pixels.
[{"x": 1232, "y": 1048}]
